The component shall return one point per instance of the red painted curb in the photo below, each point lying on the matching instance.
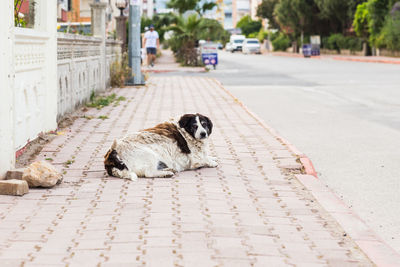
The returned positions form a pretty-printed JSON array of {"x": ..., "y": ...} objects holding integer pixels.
[
  {"x": 367, "y": 60},
  {"x": 304, "y": 160},
  {"x": 385, "y": 61}
]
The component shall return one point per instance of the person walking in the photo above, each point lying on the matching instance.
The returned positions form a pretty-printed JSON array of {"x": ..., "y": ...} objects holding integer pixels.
[{"x": 151, "y": 42}]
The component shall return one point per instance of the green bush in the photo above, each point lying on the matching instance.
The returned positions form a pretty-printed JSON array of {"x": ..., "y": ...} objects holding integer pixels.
[
  {"x": 389, "y": 37},
  {"x": 281, "y": 42},
  {"x": 339, "y": 42},
  {"x": 353, "y": 44},
  {"x": 252, "y": 35},
  {"x": 335, "y": 42},
  {"x": 119, "y": 71}
]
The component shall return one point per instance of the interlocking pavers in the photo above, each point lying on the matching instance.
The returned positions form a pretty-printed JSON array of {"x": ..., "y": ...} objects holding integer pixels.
[{"x": 246, "y": 212}]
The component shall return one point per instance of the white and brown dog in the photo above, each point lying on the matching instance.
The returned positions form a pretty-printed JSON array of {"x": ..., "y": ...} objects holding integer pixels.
[{"x": 162, "y": 150}]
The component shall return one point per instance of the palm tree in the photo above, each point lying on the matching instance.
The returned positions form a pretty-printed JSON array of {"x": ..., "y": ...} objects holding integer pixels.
[{"x": 187, "y": 32}]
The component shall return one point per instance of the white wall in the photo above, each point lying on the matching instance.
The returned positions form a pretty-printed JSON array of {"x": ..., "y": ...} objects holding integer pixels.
[
  {"x": 28, "y": 70},
  {"x": 7, "y": 153}
]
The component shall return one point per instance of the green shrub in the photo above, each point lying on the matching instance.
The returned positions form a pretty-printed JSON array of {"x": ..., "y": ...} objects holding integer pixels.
[
  {"x": 353, "y": 43},
  {"x": 339, "y": 42},
  {"x": 119, "y": 71},
  {"x": 253, "y": 35},
  {"x": 389, "y": 37},
  {"x": 281, "y": 42},
  {"x": 335, "y": 42}
]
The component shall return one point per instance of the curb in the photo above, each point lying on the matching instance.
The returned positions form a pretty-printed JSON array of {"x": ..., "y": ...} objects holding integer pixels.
[
  {"x": 377, "y": 250},
  {"x": 174, "y": 70},
  {"x": 305, "y": 161},
  {"x": 384, "y": 61},
  {"x": 366, "y": 60}
]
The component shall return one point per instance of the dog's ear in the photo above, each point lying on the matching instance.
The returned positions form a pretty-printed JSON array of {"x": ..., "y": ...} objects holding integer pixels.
[
  {"x": 209, "y": 124},
  {"x": 185, "y": 120}
]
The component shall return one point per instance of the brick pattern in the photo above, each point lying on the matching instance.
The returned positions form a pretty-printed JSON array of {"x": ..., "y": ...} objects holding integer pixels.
[{"x": 246, "y": 212}]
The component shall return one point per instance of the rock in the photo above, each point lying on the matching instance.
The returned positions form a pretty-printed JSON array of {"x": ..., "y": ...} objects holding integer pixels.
[
  {"x": 13, "y": 187},
  {"x": 14, "y": 174},
  {"x": 41, "y": 174}
]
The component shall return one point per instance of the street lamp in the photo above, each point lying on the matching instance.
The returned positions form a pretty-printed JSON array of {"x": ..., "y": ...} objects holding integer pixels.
[
  {"x": 121, "y": 5},
  {"x": 121, "y": 22}
]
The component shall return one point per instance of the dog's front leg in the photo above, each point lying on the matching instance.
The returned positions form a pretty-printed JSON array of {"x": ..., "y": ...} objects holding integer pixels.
[{"x": 203, "y": 162}]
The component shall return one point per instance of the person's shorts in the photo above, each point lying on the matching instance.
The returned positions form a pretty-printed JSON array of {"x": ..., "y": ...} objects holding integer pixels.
[{"x": 151, "y": 50}]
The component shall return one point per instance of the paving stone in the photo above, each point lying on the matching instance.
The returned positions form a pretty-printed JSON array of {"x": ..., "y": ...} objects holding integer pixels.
[
  {"x": 15, "y": 174},
  {"x": 13, "y": 187}
]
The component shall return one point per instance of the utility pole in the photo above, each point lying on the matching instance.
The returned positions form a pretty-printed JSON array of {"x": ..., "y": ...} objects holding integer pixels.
[{"x": 134, "y": 43}]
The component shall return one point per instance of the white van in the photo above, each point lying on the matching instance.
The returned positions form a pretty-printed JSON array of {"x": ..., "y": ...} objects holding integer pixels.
[
  {"x": 236, "y": 42},
  {"x": 251, "y": 45}
]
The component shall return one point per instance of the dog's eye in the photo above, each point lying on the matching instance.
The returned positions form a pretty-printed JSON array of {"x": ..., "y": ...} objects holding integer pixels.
[{"x": 195, "y": 127}]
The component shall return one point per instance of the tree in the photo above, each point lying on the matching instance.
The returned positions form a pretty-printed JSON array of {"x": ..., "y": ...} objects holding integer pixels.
[
  {"x": 185, "y": 5},
  {"x": 187, "y": 32},
  {"x": 266, "y": 10},
  {"x": 372, "y": 18},
  {"x": 389, "y": 36},
  {"x": 248, "y": 26},
  {"x": 361, "y": 21},
  {"x": 378, "y": 10},
  {"x": 297, "y": 16},
  {"x": 160, "y": 22}
]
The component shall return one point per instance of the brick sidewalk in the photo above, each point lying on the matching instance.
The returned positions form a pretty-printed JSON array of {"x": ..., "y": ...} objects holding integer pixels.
[
  {"x": 167, "y": 63},
  {"x": 250, "y": 211}
]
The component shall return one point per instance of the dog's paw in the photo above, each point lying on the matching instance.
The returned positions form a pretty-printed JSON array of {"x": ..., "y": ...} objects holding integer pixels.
[
  {"x": 212, "y": 158},
  {"x": 168, "y": 174},
  {"x": 132, "y": 176},
  {"x": 212, "y": 163},
  {"x": 170, "y": 170}
]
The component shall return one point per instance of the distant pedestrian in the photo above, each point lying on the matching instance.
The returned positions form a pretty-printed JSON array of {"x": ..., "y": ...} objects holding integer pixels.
[{"x": 151, "y": 42}]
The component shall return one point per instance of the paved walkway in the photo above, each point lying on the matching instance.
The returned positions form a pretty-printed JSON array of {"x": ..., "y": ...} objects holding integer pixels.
[
  {"x": 249, "y": 211},
  {"x": 166, "y": 63}
]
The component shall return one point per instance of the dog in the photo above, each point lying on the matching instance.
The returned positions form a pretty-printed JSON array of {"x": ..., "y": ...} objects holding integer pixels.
[{"x": 163, "y": 150}]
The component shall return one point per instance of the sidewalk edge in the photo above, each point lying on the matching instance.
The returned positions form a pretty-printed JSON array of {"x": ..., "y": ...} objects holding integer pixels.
[
  {"x": 376, "y": 249},
  {"x": 305, "y": 161}
]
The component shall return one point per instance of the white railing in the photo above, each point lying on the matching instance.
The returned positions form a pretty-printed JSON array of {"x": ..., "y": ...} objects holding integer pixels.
[{"x": 78, "y": 72}]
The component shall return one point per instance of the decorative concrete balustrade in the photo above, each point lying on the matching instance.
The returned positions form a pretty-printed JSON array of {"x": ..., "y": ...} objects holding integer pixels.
[{"x": 79, "y": 67}]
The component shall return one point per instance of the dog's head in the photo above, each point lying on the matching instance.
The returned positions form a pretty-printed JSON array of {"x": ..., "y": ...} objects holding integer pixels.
[{"x": 197, "y": 125}]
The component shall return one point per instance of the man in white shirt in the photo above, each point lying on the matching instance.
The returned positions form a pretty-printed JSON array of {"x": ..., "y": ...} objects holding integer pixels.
[{"x": 151, "y": 42}]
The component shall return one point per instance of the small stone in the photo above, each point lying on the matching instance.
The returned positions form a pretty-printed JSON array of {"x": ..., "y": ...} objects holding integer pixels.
[
  {"x": 41, "y": 174},
  {"x": 13, "y": 187},
  {"x": 15, "y": 174}
]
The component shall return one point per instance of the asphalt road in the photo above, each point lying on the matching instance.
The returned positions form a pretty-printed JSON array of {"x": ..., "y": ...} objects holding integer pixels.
[{"x": 345, "y": 116}]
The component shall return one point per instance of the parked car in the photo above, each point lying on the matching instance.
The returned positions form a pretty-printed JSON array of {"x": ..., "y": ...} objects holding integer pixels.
[
  {"x": 251, "y": 45},
  {"x": 237, "y": 42},
  {"x": 220, "y": 46},
  {"x": 228, "y": 47}
]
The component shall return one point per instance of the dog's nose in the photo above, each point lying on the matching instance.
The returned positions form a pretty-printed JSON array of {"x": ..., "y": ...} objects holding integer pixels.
[{"x": 202, "y": 134}]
